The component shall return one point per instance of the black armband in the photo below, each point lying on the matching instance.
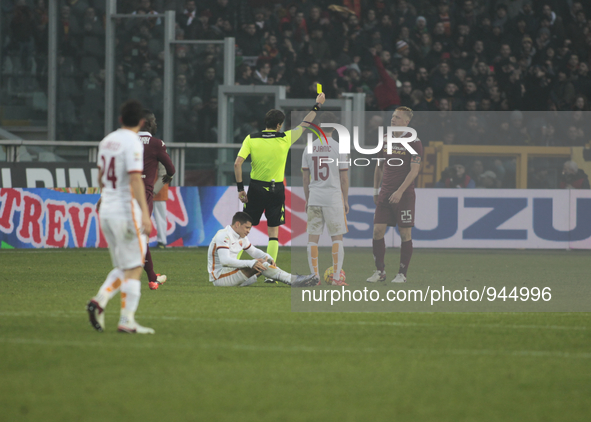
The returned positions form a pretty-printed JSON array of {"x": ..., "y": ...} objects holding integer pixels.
[
  {"x": 240, "y": 186},
  {"x": 316, "y": 107}
]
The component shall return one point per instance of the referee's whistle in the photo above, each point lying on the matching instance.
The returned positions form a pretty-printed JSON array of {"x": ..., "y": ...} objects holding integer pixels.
[{"x": 319, "y": 88}]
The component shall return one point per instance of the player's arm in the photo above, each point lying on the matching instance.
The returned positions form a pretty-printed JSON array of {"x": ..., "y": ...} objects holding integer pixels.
[
  {"x": 228, "y": 261},
  {"x": 320, "y": 99},
  {"x": 377, "y": 180},
  {"x": 344, "y": 177},
  {"x": 138, "y": 191},
  {"x": 164, "y": 158},
  {"x": 306, "y": 183},
  {"x": 238, "y": 174},
  {"x": 100, "y": 181},
  {"x": 242, "y": 156},
  {"x": 415, "y": 166},
  {"x": 257, "y": 254}
]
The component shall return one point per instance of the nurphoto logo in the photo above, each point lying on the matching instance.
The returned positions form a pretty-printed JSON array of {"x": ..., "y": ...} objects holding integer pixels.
[{"x": 392, "y": 142}]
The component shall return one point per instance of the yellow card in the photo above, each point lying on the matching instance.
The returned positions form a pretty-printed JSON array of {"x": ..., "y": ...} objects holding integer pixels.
[{"x": 319, "y": 88}]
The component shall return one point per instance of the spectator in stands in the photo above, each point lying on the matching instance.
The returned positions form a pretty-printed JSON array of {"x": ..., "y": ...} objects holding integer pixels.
[
  {"x": 208, "y": 85},
  {"x": 573, "y": 177},
  {"x": 249, "y": 42},
  {"x": 244, "y": 75},
  {"x": 261, "y": 75},
  {"x": 563, "y": 92},
  {"x": 441, "y": 78},
  {"x": 221, "y": 8},
  {"x": 487, "y": 180},
  {"x": 319, "y": 48},
  {"x": 188, "y": 20},
  {"x": 455, "y": 177},
  {"x": 386, "y": 91}
]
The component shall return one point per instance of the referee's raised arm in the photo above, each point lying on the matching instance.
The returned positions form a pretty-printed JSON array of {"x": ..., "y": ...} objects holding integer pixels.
[
  {"x": 297, "y": 131},
  {"x": 272, "y": 126}
]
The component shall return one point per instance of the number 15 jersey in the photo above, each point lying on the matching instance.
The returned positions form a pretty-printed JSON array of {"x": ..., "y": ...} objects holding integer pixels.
[
  {"x": 325, "y": 164},
  {"x": 120, "y": 153}
]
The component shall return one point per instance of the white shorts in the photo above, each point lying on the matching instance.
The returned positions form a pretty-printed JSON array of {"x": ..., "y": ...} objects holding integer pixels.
[
  {"x": 333, "y": 216},
  {"x": 127, "y": 244},
  {"x": 231, "y": 277}
]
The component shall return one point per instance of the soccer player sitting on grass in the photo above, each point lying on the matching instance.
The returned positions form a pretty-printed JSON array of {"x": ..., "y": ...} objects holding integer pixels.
[
  {"x": 326, "y": 187},
  {"x": 225, "y": 269}
]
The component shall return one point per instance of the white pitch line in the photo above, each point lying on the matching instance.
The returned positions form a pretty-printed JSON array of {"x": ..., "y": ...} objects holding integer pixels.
[
  {"x": 301, "y": 349},
  {"x": 70, "y": 314}
]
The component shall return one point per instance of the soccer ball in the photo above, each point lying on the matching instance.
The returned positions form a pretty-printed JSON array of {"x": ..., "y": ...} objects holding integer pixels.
[{"x": 328, "y": 279}]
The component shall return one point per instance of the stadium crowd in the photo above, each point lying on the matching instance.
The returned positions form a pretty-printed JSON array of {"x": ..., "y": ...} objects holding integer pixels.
[{"x": 431, "y": 55}]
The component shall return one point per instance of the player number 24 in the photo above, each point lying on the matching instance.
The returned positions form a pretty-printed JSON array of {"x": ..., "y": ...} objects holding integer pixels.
[
  {"x": 319, "y": 169},
  {"x": 110, "y": 172}
]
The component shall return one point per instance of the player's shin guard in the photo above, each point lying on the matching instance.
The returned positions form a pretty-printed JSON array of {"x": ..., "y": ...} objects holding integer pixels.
[
  {"x": 405, "y": 256},
  {"x": 338, "y": 254},
  {"x": 130, "y": 299},
  {"x": 273, "y": 248},
  {"x": 109, "y": 288},
  {"x": 313, "y": 257},
  {"x": 149, "y": 267},
  {"x": 277, "y": 273},
  {"x": 379, "y": 253}
]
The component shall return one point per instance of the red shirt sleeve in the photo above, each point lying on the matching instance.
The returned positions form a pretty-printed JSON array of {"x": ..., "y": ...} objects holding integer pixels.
[{"x": 387, "y": 80}]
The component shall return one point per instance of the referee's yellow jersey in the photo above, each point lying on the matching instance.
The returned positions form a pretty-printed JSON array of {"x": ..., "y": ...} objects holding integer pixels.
[{"x": 269, "y": 151}]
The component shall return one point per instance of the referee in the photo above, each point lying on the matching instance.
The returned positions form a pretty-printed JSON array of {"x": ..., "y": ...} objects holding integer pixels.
[{"x": 266, "y": 192}]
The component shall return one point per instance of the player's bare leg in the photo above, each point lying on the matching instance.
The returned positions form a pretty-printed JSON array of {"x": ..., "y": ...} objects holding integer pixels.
[
  {"x": 379, "y": 253},
  {"x": 273, "y": 246},
  {"x": 130, "y": 299},
  {"x": 312, "y": 250},
  {"x": 405, "y": 254},
  {"x": 338, "y": 256},
  {"x": 96, "y": 306},
  {"x": 273, "y": 273}
]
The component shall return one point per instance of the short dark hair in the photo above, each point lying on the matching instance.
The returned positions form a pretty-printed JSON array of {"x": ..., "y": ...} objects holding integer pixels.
[
  {"x": 241, "y": 217},
  {"x": 273, "y": 118},
  {"x": 148, "y": 113},
  {"x": 132, "y": 111}
]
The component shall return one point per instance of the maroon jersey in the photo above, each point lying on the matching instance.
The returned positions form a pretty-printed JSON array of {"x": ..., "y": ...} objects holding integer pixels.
[
  {"x": 154, "y": 152},
  {"x": 394, "y": 176}
]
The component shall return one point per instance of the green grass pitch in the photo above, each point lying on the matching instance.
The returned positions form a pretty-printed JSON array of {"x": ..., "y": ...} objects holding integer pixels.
[{"x": 240, "y": 354}]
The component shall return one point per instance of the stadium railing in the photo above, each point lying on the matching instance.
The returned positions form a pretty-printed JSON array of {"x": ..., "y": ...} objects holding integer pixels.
[{"x": 206, "y": 172}]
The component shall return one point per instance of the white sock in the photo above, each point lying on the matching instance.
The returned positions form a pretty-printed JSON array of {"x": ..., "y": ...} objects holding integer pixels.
[
  {"x": 130, "y": 299},
  {"x": 339, "y": 254},
  {"x": 110, "y": 287},
  {"x": 313, "y": 257},
  {"x": 277, "y": 273}
]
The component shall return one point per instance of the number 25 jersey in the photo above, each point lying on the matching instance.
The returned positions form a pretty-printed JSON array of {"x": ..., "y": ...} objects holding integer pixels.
[
  {"x": 120, "y": 153},
  {"x": 325, "y": 181}
]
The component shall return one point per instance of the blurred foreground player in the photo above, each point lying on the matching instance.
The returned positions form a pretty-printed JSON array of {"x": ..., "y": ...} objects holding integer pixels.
[
  {"x": 124, "y": 218},
  {"x": 154, "y": 153},
  {"x": 226, "y": 270},
  {"x": 395, "y": 203}
]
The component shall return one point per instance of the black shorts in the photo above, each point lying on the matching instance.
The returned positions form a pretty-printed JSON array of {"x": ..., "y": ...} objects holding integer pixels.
[{"x": 262, "y": 199}]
